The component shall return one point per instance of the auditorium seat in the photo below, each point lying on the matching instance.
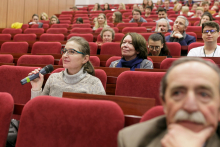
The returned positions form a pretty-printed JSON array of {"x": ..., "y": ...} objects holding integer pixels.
[
  {"x": 134, "y": 29},
  {"x": 35, "y": 59},
  {"x": 87, "y": 37},
  {"x": 46, "y": 48},
  {"x": 14, "y": 47},
  {"x": 146, "y": 35},
  {"x": 45, "y": 21},
  {"x": 25, "y": 26},
  {"x": 5, "y": 37},
  {"x": 59, "y": 123},
  {"x": 67, "y": 12},
  {"x": 6, "y": 58},
  {"x": 59, "y": 26},
  {"x": 194, "y": 45},
  {"x": 166, "y": 63},
  {"x": 81, "y": 15},
  {"x": 174, "y": 48},
  {"x": 65, "y": 18},
  {"x": 152, "y": 113},
  {"x": 100, "y": 29},
  {"x": 6, "y": 105},
  {"x": 57, "y": 30},
  {"x": 93, "y": 48},
  {"x": 127, "y": 25},
  {"x": 25, "y": 37},
  {"x": 148, "y": 24},
  {"x": 194, "y": 29},
  {"x": 111, "y": 59},
  {"x": 65, "y": 22},
  {"x": 111, "y": 48},
  {"x": 139, "y": 84},
  {"x": 34, "y": 30},
  {"x": 118, "y": 37},
  {"x": 81, "y": 26},
  {"x": 81, "y": 30},
  {"x": 11, "y": 31},
  {"x": 52, "y": 37}
]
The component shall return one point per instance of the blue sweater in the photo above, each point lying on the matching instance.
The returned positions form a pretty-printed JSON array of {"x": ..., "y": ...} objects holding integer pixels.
[{"x": 183, "y": 42}]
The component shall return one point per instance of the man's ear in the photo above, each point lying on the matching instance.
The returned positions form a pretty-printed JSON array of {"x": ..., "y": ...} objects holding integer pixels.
[{"x": 85, "y": 59}]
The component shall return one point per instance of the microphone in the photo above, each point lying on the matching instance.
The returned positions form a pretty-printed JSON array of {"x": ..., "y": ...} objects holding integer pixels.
[{"x": 47, "y": 69}]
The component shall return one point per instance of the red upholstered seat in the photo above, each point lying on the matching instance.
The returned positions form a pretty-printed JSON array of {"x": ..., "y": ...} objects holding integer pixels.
[
  {"x": 67, "y": 12},
  {"x": 152, "y": 113},
  {"x": 118, "y": 37},
  {"x": 134, "y": 29},
  {"x": 45, "y": 21},
  {"x": 5, "y": 37},
  {"x": 14, "y": 47},
  {"x": 81, "y": 15},
  {"x": 46, "y": 48},
  {"x": 88, "y": 37},
  {"x": 194, "y": 45},
  {"x": 139, "y": 84},
  {"x": 57, "y": 30},
  {"x": 194, "y": 29},
  {"x": 65, "y": 22},
  {"x": 59, "y": 26},
  {"x": 35, "y": 59},
  {"x": 6, "y": 105},
  {"x": 100, "y": 29},
  {"x": 34, "y": 30},
  {"x": 148, "y": 24},
  {"x": 25, "y": 37},
  {"x": 52, "y": 37},
  {"x": 25, "y": 26},
  {"x": 97, "y": 124},
  {"x": 166, "y": 63},
  {"x": 65, "y": 18},
  {"x": 146, "y": 35},
  {"x": 174, "y": 48},
  {"x": 81, "y": 26},
  {"x": 111, "y": 48},
  {"x": 6, "y": 58},
  {"x": 127, "y": 25},
  {"x": 93, "y": 48},
  {"x": 10, "y": 82},
  {"x": 81, "y": 30},
  {"x": 11, "y": 31}
]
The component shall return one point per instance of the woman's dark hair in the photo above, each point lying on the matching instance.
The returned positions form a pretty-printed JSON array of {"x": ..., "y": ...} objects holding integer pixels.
[
  {"x": 139, "y": 43},
  {"x": 206, "y": 14},
  {"x": 79, "y": 19},
  {"x": 107, "y": 8},
  {"x": 156, "y": 37}
]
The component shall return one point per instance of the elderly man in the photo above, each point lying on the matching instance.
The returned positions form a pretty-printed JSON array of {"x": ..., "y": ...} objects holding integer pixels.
[
  {"x": 137, "y": 16},
  {"x": 210, "y": 34},
  {"x": 162, "y": 13},
  {"x": 179, "y": 35},
  {"x": 163, "y": 25},
  {"x": 190, "y": 93}
]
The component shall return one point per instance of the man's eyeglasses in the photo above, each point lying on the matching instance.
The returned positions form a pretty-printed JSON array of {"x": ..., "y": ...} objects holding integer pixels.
[
  {"x": 154, "y": 47},
  {"x": 211, "y": 31},
  {"x": 71, "y": 51}
]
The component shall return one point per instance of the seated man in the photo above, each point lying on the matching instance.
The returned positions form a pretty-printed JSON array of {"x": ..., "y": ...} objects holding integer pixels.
[
  {"x": 191, "y": 102},
  {"x": 162, "y": 13},
  {"x": 148, "y": 11},
  {"x": 205, "y": 5},
  {"x": 179, "y": 34},
  {"x": 163, "y": 25},
  {"x": 137, "y": 16},
  {"x": 35, "y": 20},
  {"x": 167, "y": 5},
  {"x": 210, "y": 34}
]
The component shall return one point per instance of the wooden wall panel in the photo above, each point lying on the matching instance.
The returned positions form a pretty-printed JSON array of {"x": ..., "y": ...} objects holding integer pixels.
[
  {"x": 62, "y": 6},
  {"x": 43, "y": 6},
  {"x": 70, "y": 3},
  {"x": 30, "y": 8},
  {"x": 3, "y": 13},
  {"x": 53, "y": 7},
  {"x": 15, "y": 11}
]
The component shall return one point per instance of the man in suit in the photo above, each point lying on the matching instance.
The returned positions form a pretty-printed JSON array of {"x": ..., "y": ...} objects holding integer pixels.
[
  {"x": 179, "y": 35},
  {"x": 35, "y": 20},
  {"x": 190, "y": 93}
]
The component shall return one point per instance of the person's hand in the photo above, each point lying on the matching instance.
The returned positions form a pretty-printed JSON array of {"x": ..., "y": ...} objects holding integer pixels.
[
  {"x": 177, "y": 34},
  {"x": 178, "y": 136},
  {"x": 38, "y": 82},
  {"x": 33, "y": 22},
  {"x": 160, "y": 29}
]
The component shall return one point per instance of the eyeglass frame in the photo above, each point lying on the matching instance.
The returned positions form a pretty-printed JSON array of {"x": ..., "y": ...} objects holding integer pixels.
[
  {"x": 207, "y": 31},
  {"x": 154, "y": 47},
  {"x": 67, "y": 51}
]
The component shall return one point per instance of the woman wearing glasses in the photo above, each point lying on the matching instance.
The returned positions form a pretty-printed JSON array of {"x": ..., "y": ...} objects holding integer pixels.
[
  {"x": 77, "y": 77},
  {"x": 134, "y": 53},
  {"x": 157, "y": 45}
]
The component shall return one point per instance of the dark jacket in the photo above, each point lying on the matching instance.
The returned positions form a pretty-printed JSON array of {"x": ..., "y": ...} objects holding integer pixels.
[{"x": 183, "y": 42}]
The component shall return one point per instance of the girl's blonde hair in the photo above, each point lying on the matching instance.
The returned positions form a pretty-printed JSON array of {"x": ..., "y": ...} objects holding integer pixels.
[
  {"x": 123, "y": 6},
  {"x": 97, "y": 23},
  {"x": 44, "y": 14}
]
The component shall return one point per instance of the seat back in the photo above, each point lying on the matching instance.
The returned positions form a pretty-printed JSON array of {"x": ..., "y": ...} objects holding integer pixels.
[
  {"x": 81, "y": 30},
  {"x": 99, "y": 130},
  {"x": 174, "y": 48},
  {"x": 166, "y": 63},
  {"x": 5, "y": 37},
  {"x": 127, "y": 25},
  {"x": 134, "y": 29},
  {"x": 25, "y": 37},
  {"x": 152, "y": 113},
  {"x": 34, "y": 31},
  {"x": 14, "y": 47},
  {"x": 139, "y": 84},
  {"x": 88, "y": 37},
  {"x": 146, "y": 35},
  {"x": 57, "y": 30},
  {"x": 194, "y": 45},
  {"x": 111, "y": 48},
  {"x": 52, "y": 37},
  {"x": 6, "y": 58},
  {"x": 11, "y": 31},
  {"x": 81, "y": 26},
  {"x": 111, "y": 59},
  {"x": 46, "y": 48},
  {"x": 35, "y": 59},
  {"x": 6, "y": 105},
  {"x": 59, "y": 26}
]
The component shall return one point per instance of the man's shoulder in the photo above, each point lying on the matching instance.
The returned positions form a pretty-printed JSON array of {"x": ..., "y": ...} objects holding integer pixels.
[{"x": 189, "y": 37}]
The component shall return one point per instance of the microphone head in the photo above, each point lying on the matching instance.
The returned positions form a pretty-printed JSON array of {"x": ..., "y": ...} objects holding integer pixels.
[{"x": 49, "y": 68}]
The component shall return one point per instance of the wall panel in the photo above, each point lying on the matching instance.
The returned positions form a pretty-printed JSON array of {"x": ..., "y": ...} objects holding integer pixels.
[
  {"x": 3, "y": 13},
  {"x": 43, "y": 6},
  {"x": 62, "y": 5},
  {"x": 70, "y": 3},
  {"x": 30, "y": 8},
  {"x": 15, "y": 11},
  {"x": 53, "y": 7}
]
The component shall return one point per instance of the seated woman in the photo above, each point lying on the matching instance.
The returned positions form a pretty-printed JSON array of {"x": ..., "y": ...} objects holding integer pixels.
[
  {"x": 79, "y": 20},
  {"x": 96, "y": 7},
  {"x": 54, "y": 20},
  {"x": 101, "y": 22},
  {"x": 78, "y": 75},
  {"x": 177, "y": 8},
  {"x": 159, "y": 3},
  {"x": 106, "y": 7},
  {"x": 135, "y": 6},
  {"x": 194, "y": 6},
  {"x": 35, "y": 20},
  {"x": 206, "y": 17},
  {"x": 144, "y": 4},
  {"x": 151, "y": 4},
  {"x": 185, "y": 11},
  {"x": 134, "y": 53},
  {"x": 117, "y": 17},
  {"x": 140, "y": 7},
  {"x": 121, "y": 6},
  {"x": 148, "y": 10},
  {"x": 157, "y": 45},
  {"x": 199, "y": 12},
  {"x": 107, "y": 35},
  {"x": 215, "y": 7},
  {"x": 43, "y": 16}
]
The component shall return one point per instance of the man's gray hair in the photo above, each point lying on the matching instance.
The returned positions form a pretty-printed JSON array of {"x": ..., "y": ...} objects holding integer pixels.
[
  {"x": 186, "y": 20},
  {"x": 160, "y": 20}
]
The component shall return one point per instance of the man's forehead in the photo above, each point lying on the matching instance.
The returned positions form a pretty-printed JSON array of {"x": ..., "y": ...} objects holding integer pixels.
[
  {"x": 208, "y": 28},
  {"x": 180, "y": 20}
]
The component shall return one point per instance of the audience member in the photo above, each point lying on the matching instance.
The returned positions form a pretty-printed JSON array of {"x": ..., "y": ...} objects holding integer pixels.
[
  {"x": 101, "y": 22},
  {"x": 177, "y": 8},
  {"x": 189, "y": 3},
  {"x": 157, "y": 45},
  {"x": 95, "y": 20},
  {"x": 77, "y": 76},
  {"x": 147, "y": 11},
  {"x": 163, "y": 25},
  {"x": 159, "y": 3},
  {"x": 79, "y": 20},
  {"x": 199, "y": 12},
  {"x": 140, "y": 7},
  {"x": 137, "y": 16},
  {"x": 162, "y": 13},
  {"x": 185, "y": 11},
  {"x": 107, "y": 35},
  {"x": 208, "y": 1},
  {"x": 106, "y": 7},
  {"x": 121, "y": 6},
  {"x": 205, "y": 17},
  {"x": 35, "y": 20},
  {"x": 144, "y": 3},
  {"x": 205, "y": 5},
  {"x": 178, "y": 34},
  {"x": 218, "y": 14},
  {"x": 191, "y": 103},
  {"x": 43, "y": 16},
  {"x": 210, "y": 34},
  {"x": 117, "y": 17},
  {"x": 215, "y": 7},
  {"x": 135, "y": 6},
  {"x": 134, "y": 53},
  {"x": 151, "y": 4},
  {"x": 74, "y": 8},
  {"x": 53, "y": 20},
  {"x": 167, "y": 5},
  {"x": 96, "y": 7},
  {"x": 194, "y": 6}
]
